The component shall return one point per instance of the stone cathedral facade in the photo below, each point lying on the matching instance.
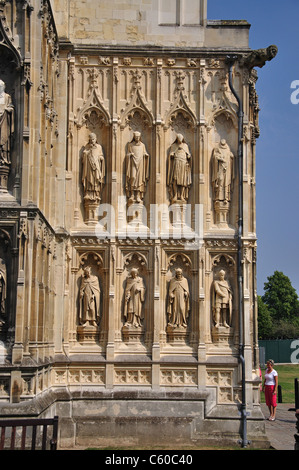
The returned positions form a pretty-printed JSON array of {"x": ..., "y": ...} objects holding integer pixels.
[{"x": 127, "y": 221}]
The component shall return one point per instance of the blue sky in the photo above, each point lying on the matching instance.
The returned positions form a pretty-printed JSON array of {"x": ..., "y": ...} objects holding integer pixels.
[{"x": 277, "y": 165}]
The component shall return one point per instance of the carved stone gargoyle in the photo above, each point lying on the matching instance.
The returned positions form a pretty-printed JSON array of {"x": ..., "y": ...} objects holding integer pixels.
[{"x": 259, "y": 57}]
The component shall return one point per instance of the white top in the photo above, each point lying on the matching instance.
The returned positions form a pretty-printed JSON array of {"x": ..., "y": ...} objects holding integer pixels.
[{"x": 270, "y": 377}]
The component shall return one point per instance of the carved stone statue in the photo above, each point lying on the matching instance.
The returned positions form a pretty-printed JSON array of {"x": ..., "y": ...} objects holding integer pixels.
[
  {"x": 222, "y": 171},
  {"x": 6, "y": 124},
  {"x": 179, "y": 171},
  {"x": 137, "y": 169},
  {"x": 222, "y": 301},
  {"x": 90, "y": 293},
  {"x": 3, "y": 287},
  {"x": 259, "y": 57},
  {"x": 134, "y": 298},
  {"x": 93, "y": 170},
  {"x": 178, "y": 302}
]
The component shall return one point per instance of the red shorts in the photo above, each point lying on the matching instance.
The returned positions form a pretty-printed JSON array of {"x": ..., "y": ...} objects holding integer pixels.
[{"x": 270, "y": 398}]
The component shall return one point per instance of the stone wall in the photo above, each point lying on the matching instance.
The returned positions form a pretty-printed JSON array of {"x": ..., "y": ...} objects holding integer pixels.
[
  {"x": 140, "y": 22},
  {"x": 120, "y": 218}
]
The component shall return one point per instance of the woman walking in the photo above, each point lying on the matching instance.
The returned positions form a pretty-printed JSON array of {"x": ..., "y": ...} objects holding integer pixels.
[{"x": 270, "y": 388}]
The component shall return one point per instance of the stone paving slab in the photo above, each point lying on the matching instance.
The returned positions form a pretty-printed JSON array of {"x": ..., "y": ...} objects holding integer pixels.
[{"x": 281, "y": 431}]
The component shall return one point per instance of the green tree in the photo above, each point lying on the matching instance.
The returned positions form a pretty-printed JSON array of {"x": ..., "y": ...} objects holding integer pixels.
[
  {"x": 284, "y": 329},
  {"x": 281, "y": 298},
  {"x": 264, "y": 320}
]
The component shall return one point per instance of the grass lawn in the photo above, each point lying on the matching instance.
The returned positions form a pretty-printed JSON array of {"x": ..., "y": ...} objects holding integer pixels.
[{"x": 286, "y": 375}]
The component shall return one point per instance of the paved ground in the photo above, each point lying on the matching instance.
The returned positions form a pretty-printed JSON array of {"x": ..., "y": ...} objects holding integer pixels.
[{"x": 281, "y": 431}]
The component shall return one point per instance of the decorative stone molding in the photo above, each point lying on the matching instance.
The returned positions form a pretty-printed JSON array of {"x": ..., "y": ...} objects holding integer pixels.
[
  {"x": 80, "y": 376},
  {"x": 222, "y": 379},
  {"x": 179, "y": 377},
  {"x": 132, "y": 376}
]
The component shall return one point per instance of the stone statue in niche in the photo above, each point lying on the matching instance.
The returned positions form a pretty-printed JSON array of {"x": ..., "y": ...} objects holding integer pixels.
[
  {"x": 178, "y": 302},
  {"x": 89, "y": 296},
  {"x": 222, "y": 301},
  {"x": 93, "y": 170},
  {"x": 3, "y": 288},
  {"x": 6, "y": 123},
  {"x": 222, "y": 180},
  {"x": 6, "y": 131},
  {"x": 222, "y": 172},
  {"x": 179, "y": 171},
  {"x": 134, "y": 298},
  {"x": 137, "y": 169},
  {"x": 3, "y": 292}
]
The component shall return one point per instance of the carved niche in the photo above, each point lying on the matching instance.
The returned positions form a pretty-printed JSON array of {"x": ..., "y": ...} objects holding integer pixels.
[
  {"x": 179, "y": 171},
  {"x": 223, "y": 164},
  {"x": 222, "y": 180},
  {"x": 136, "y": 124},
  {"x": 6, "y": 283},
  {"x": 10, "y": 80},
  {"x": 180, "y": 124},
  {"x": 134, "y": 297},
  {"x": 222, "y": 299},
  {"x": 89, "y": 298},
  {"x": 178, "y": 302},
  {"x": 93, "y": 177},
  {"x": 136, "y": 169},
  {"x": 93, "y": 125}
]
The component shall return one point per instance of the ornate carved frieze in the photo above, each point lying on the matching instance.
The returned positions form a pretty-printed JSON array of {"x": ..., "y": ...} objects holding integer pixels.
[
  {"x": 178, "y": 377},
  {"x": 223, "y": 380},
  {"x": 132, "y": 376},
  {"x": 80, "y": 376}
]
